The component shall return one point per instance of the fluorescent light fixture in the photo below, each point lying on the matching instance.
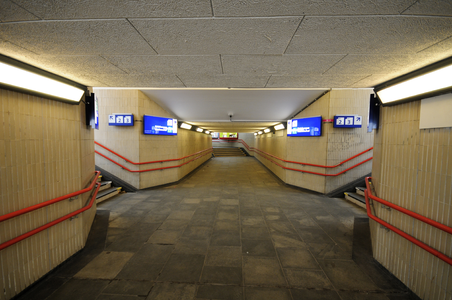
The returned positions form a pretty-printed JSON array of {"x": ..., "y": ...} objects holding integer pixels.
[
  {"x": 199, "y": 129},
  {"x": 207, "y": 131},
  {"x": 267, "y": 130},
  {"x": 24, "y": 79},
  {"x": 259, "y": 132},
  {"x": 427, "y": 82},
  {"x": 185, "y": 126},
  {"x": 279, "y": 127},
  {"x": 255, "y": 133}
]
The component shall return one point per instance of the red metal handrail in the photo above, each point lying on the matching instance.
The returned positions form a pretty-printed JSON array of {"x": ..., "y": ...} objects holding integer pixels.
[
  {"x": 147, "y": 162},
  {"x": 50, "y": 224},
  {"x": 368, "y": 194},
  {"x": 297, "y": 162},
  {"x": 156, "y": 169},
  {"x": 316, "y": 173},
  {"x": 49, "y": 202}
]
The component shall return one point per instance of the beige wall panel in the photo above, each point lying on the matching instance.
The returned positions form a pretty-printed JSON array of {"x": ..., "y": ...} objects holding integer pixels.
[
  {"x": 410, "y": 169},
  {"x": 41, "y": 158}
]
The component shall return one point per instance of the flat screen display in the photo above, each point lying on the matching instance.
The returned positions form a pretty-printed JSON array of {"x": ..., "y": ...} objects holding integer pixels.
[
  {"x": 159, "y": 126},
  {"x": 305, "y": 126},
  {"x": 229, "y": 135},
  {"x": 215, "y": 135}
]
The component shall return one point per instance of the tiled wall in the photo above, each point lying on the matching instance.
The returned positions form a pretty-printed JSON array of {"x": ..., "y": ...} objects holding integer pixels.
[
  {"x": 413, "y": 169},
  {"x": 131, "y": 143},
  {"x": 46, "y": 151},
  {"x": 334, "y": 146}
]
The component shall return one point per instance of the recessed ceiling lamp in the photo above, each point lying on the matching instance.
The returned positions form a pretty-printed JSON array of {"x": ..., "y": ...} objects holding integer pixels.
[
  {"x": 185, "y": 126},
  {"x": 267, "y": 130},
  {"x": 279, "y": 127},
  {"x": 199, "y": 129},
  {"x": 255, "y": 133},
  {"x": 207, "y": 131},
  {"x": 259, "y": 132},
  {"x": 426, "y": 82},
  {"x": 24, "y": 78}
]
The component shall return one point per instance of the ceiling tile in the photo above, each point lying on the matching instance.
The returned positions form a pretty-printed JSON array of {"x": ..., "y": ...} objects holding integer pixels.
[
  {"x": 384, "y": 35},
  {"x": 218, "y": 36},
  {"x": 440, "y": 50},
  {"x": 66, "y": 9},
  {"x": 430, "y": 7},
  {"x": 139, "y": 80},
  {"x": 76, "y": 37},
  {"x": 240, "y": 8},
  {"x": 172, "y": 64},
  {"x": 278, "y": 64},
  {"x": 223, "y": 81},
  {"x": 11, "y": 12},
  {"x": 314, "y": 81},
  {"x": 234, "y": 126}
]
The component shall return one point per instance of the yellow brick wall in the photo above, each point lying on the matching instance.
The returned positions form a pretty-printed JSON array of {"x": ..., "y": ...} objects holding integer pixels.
[
  {"x": 413, "y": 169},
  {"x": 46, "y": 151}
]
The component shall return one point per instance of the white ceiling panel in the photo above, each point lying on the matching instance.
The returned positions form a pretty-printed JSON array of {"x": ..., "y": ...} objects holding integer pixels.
[
  {"x": 67, "y": 9},
  {"x": 354, "y": 35},
  {"x": 430, "y": 7},
  {"x": 279, "y": 64},
  {"x": 76, "y": 37},
  {"x": 314, "y": 81},
  {"x": 138, "y": 80},
  {"x": 240, "y": 8},
  {"x": 11, "y": 12},
  {"x": 167, "y": 64},
  {"x": 221, "y": 81},
  {"x": 218, "y": 35}
]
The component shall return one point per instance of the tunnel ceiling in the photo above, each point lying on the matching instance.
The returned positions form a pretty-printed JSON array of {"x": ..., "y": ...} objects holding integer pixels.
[{"x": 264, "y": 44}]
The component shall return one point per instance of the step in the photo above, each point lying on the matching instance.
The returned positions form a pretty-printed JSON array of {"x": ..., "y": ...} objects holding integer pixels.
[
  {"x": 107, "y": 194},
  {"x": 360, "y": 190},
  {"x": 99, "y": 179},
  {"x": 104, "y": 185},
  {"x": 356, "y": 199}
]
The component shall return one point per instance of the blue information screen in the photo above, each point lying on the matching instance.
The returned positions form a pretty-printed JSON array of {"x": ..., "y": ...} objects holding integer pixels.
[
  {"x": 305, "y": 127},
  {"x": 120, "y": 120},
  {"x": 159, "y": 126}
]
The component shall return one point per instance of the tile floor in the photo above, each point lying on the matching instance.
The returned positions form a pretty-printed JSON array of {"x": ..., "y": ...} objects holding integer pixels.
[{"x": 231, "y": 230}]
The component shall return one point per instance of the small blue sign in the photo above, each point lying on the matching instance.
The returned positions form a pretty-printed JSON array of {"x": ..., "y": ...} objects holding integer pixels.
[
  {"x": 348, "y": 121},
  {"x": 120, "y": 120},
  {"x": 305, "y": 127}
]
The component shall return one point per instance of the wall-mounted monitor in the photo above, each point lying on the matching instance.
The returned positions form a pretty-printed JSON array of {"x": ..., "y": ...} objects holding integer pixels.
[
  {"x": 215, "y": 135},
  {"x": 305, "y": 126},
  {"x": 159, "y": 126},
  {"x": 229, "y": 135}
]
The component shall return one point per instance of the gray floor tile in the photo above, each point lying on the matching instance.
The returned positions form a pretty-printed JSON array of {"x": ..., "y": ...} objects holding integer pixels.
[
  {"x": 172, "y": 291},
  {"x": 252, "y": 221},
  {"x": 297, "y": 258},
  {"x": 183, "y": 268},
  {"x": 260, "y": 293},
  {"x": 173, "y": 225},
  {"x": 193, "y": 246},
  {"x": 348, "y": 295},
  {"x": 255, "y": 233},
  {"x": 119, "y": 297},
  {"x": 346, "y": 275},
  {"x": 128, "y": 287},
  {"x": 136, "y": 270},
  {"x": 307, "y": 279},
  {"x": 222, "y": 275},
  {"x": 258, "y": 248},
  {"x": 225, "y": 238},
  {"x": 287, "y": 240},
  {"x": 226, "y": 225},
  {"x": 105, "y": 266},
  {"x": 281, "y": 227},
  {"x": 262, "y": 271},
  {"x": 246, "y": 211},
  {"x": 76, "y": 289},
  {"x": 219, "y": 292},
  {"x": 314, "y": 294},
  {"x": 181, "y": 215},
  {"x": 224, "y": 256},
  {"x": 197, "y": 232},
  {"x": 165, "y": 237}
]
